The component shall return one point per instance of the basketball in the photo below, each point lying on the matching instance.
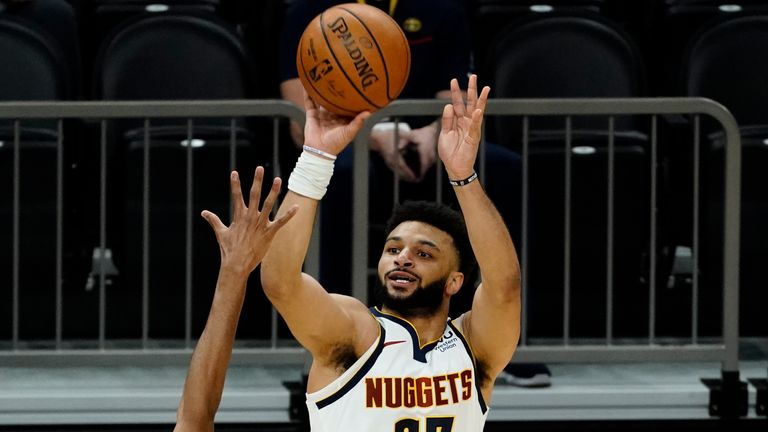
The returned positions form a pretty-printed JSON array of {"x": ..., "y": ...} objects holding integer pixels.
[{"x": 353, "y": 58}]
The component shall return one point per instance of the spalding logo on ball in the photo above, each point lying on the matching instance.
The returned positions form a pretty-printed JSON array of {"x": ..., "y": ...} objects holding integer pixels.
[{"x": 353, "y": 58}]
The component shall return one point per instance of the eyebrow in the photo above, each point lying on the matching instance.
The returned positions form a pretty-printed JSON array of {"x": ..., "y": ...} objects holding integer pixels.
[{"x": 422, "y": 242}]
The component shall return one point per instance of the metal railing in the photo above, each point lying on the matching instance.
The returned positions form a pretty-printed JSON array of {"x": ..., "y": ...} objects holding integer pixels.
[
  {"x": 104, "y": 350},
  {"x": 651, "y": 349}
]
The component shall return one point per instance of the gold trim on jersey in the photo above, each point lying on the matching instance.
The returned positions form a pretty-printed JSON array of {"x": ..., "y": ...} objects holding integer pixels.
[
  {"x": 418, "y": 337},
  {"x": 465, "y": 342}
]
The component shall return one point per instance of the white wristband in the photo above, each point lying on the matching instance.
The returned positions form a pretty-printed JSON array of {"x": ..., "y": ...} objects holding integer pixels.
[
  {"x": 319, "y": 152},
  {"x": 311, "y": 175}
]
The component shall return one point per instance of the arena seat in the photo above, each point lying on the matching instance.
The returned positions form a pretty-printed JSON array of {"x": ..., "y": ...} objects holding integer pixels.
[
  {"x": 677, "y": 22},
  {"x": 33, "y": 68},
  {"x": 172, "y": 57},
  {"x": 99, "y": 18},
  {"x": 724, "y": 62},
  {"x": 580, "y": 55},
  {"x": 488, "y": 17}
]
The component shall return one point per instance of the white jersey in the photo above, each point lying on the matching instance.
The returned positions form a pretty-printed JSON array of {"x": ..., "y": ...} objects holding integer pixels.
[{"x": 399, "y": 386}]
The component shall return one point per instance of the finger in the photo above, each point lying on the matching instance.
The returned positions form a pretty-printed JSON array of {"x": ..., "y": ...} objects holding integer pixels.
[
  {"x": 266, "y": 210},
  {"x": 448, "y": 116},
  {"x": 309, "y": 104},
  {"x": 403, "y": 143},
  {"x": 475, "y": 127},
  {"x": 456, "y": 98},
  {"x": 426, "y": 160},
  {"x": 405, "y": 171},
  {"x": 350, "y": 130},
  {"x": 483, "y": 99},
  {"x": 472, "y": 93},
  {"x": 255, "y": 196},
  {"x": 357, "y": 122},
  {"x": 238, "y": 206},
  {"x": 284, "y": 218},
  {"x": 213, "y": 221}
]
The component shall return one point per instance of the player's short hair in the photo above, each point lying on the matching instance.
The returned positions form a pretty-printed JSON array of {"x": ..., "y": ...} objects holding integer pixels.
[{"x": 443, "y": 218}]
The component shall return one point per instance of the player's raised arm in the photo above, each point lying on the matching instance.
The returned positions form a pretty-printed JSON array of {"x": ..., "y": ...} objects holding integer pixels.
[
  {"x": 493, "y": 325},
  {"x": 242, "y": 247},
  {"x": 319, "y": 321}
]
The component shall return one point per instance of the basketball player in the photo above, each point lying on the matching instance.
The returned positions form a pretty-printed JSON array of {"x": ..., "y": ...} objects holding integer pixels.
[
  {"x": 404, "y": 366},
  {"x": 243, "y": 245}
]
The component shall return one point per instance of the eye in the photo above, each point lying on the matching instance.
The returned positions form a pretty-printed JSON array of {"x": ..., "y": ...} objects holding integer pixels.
[
  {"x": 392, "y": 251},
  {"x": 423, "y": 254}
]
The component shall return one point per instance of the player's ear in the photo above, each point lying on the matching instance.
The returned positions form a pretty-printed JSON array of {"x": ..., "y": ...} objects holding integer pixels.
[{"x": 454, "y": 282}]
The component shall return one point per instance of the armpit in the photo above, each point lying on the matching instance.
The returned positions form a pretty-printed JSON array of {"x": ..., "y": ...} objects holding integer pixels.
[{"x": 342, "y": 357}]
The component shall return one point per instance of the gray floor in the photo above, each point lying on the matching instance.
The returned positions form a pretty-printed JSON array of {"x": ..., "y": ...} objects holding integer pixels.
[{"x": 149, "y": 395}]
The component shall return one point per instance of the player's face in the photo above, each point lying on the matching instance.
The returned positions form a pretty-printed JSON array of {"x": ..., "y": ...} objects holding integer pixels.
[{"x": 414, "y": 266}]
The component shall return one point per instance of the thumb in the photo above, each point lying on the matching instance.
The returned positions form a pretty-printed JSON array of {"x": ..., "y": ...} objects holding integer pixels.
[
  {"x": 447, "y": 120},
  {"x": 213, "y": 221},
  {"x": 357, "y": 123}
]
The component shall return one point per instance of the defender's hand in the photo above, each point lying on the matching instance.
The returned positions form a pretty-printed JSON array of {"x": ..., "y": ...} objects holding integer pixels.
[{"x": 246, "y": 240}]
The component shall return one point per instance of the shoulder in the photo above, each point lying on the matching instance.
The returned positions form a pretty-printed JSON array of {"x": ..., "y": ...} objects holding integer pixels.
[
  {"x": 460, "y": 321},
  {"x": 366, "y": 327}
]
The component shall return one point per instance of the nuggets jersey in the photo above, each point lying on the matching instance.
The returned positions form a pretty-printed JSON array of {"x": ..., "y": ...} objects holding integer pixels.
[{"x": 398, "y": 386}]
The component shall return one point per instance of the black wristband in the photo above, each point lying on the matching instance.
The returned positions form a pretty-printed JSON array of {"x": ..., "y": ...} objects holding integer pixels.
[{"x": 466, "y": 181}]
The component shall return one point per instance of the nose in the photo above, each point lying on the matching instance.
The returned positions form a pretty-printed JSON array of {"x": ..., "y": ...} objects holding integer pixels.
[{"x": 403, "y": 259}]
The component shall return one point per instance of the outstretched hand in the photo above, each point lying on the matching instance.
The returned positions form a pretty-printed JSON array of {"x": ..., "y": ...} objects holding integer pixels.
[
  {"x": 459, "y": 138},
  {"x": 329, "y": 132},
  {"x": 246, "y": 240}
]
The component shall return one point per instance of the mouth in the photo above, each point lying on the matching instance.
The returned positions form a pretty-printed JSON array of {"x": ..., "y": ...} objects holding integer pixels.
[{"x": 401, "y": 279}]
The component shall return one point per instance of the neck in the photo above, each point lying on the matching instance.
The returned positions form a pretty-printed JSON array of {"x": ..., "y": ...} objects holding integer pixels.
[{"x": 429, "y": 327}]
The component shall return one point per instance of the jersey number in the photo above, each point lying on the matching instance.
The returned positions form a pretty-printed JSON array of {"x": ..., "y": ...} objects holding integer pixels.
[{"x": 434, "y": 424}]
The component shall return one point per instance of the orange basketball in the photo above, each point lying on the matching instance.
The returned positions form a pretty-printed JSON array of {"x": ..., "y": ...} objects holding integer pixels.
[{"x": 353, "y": 58}]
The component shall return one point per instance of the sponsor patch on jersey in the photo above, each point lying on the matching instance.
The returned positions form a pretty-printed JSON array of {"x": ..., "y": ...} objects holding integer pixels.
[{"x": 447, "y": 342}]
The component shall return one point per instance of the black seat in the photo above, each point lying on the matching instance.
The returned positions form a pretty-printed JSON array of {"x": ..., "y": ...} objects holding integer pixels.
[
  {"x": 578, "y": 56},
  {"x": 677, "y": 22},
  {"x": 57, "y": 21},
  {"x": 172, "y": 57},
  {"x": 488, "y": 17},
  {"x": 33, "y": 68},
  {"x": 100, "y": 17},
  {"x": 725, "y": 62}
]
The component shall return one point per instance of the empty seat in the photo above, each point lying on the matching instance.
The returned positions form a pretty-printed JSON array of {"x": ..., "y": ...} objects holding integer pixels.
[
  {"x": 56, "y": 21},
  {"x": 101, "y": 17},
  {"x": 33, "y": 68},
  {"x": 677, "y": 22},
  {"x": 171, "y": 57},
  {"x": 578, "y": 56},
  {"x": 726, "y": 62},
  {"x": 488, "y": 17}
]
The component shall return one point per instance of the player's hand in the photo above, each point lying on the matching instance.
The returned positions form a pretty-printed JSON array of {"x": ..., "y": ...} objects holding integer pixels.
[
  {"x": 384, "y": 143},
  {"x": 246, "y": 240},
  {"x": 421, "y": 143},
  {"x": 329, "y": 132},
  {"x": 459, "y": 138}
]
